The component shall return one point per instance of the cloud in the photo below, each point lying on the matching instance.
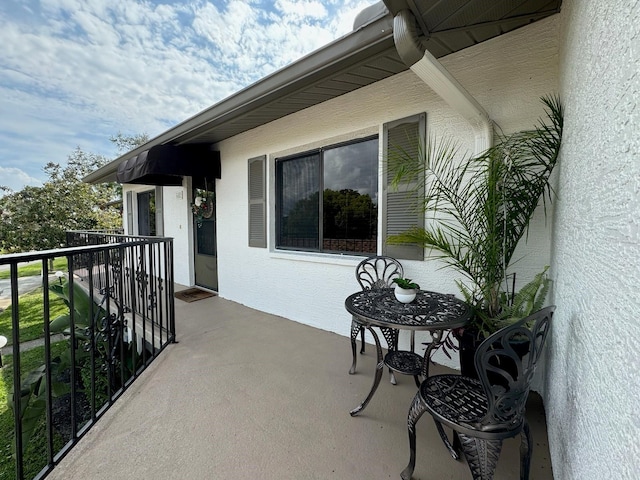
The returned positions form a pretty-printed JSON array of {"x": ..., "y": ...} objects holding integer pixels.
[
  {"x": 39, "y": 130},
  {"x": 78, "y": 71},
  {"x": 16, "y": 179}
]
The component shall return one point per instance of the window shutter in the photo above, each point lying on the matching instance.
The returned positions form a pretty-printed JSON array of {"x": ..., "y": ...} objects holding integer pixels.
[
  {"x": 130, "y": 213},
  {"x": 257, "y": 202},
  {"x": 402, "y": 204},
  {"x": 159, "y": 212}
]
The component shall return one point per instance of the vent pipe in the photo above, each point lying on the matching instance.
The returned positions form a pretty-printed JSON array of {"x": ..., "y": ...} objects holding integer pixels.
[{"x": 416, "y": 56}]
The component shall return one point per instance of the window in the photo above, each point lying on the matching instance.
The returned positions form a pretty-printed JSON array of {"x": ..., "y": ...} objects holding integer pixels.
[
  {"x": 147, "y": 213},
  {"x": 148, "y": 205},
  {"x": 344, "y": 219},
  {"x": 205, "y": 231}
]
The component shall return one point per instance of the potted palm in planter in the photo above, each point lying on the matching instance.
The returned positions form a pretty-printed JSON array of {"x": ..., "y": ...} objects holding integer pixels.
[{"x": 479, "y": 209}]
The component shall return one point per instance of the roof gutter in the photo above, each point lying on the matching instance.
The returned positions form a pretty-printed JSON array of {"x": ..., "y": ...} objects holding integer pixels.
[
  {"x": 416, "y": 56},
  {"x": 371, "y": 36}
]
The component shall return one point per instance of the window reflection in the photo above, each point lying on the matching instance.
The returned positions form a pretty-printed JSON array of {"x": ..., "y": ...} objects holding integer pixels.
[{"x": 348, "y": 177}]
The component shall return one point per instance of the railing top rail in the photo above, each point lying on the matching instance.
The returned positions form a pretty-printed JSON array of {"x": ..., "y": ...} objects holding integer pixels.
[
  {"x": 11, "y": 258},
  {"x": 109, "y": 233},
  {"x": 98, "y": 230}
]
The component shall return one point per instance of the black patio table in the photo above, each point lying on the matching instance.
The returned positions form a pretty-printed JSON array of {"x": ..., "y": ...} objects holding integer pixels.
[{"x": 430, "y": 311}]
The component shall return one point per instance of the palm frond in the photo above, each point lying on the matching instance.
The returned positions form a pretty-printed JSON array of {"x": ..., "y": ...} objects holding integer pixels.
[
  {"x": 529, "y": 299},
  {"x": 479, "y": 208}
]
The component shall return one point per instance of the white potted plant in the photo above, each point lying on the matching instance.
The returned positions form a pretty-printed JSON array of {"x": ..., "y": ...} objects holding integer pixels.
[{"x": 405, "y": 289}]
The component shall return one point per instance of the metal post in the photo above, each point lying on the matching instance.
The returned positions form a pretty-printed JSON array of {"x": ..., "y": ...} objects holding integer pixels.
[{"x": 17, "y": 400}]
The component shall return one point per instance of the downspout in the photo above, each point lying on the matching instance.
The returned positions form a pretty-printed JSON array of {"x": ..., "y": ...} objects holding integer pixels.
[{"x": 430, "y": 70}]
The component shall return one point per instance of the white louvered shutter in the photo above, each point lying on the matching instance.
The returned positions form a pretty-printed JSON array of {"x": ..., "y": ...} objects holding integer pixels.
[
  {"x": 257, "y": 202},
  {"x": 402, "y": 209}
]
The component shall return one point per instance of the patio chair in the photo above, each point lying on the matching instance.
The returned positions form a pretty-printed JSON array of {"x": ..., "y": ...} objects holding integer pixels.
[
  {"x": 484, "y": 412},
  {"x": 373, "y": 273}
]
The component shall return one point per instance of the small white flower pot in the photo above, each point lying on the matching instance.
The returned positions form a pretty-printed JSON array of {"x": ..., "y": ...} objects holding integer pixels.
[{"x": 404, "y": 295}]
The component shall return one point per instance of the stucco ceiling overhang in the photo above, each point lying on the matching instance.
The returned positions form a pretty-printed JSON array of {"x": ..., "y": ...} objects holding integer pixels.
[{"x": 360, "y": 58}]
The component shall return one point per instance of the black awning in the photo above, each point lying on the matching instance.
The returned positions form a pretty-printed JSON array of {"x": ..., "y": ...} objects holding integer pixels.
[{"x": 167, "y": 164}]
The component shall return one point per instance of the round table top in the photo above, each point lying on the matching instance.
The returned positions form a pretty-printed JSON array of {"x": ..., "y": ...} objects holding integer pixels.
[{"x": 429, "y": 310}]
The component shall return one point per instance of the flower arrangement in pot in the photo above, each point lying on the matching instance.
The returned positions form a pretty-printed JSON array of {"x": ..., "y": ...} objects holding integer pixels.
[
  {"x": 405, "y": 289},
  {"x": 479, "y": 208}
]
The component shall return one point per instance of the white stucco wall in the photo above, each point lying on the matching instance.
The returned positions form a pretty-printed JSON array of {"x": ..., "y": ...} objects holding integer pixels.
[
  {"x": 507, "y": 75},
  {"x": 593, "y": 390},
  {"x": 177, "y": 224}
]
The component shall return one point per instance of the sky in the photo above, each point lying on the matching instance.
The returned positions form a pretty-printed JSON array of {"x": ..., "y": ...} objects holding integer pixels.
[{"x": 74, "y": 73}]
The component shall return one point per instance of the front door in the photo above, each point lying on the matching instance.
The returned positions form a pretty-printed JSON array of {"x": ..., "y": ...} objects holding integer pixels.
[{"x": 206, "y": 261}]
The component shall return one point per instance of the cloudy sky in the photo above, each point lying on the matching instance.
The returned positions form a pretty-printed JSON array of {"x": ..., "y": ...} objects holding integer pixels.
[{"x": 74, "y": 73}]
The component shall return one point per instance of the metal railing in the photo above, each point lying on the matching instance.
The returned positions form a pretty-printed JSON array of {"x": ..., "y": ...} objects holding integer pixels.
[
  {"x": 114, "y": 309},
  {"x": 143, "y": 290}
]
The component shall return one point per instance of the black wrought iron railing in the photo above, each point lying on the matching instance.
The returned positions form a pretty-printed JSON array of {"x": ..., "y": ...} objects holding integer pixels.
[
  {"x": 144, "y": 268},
  {"x": 81, "y": 331}
]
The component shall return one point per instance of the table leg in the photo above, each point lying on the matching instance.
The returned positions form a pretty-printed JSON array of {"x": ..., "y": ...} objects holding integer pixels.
[
  {"x": 355, "y": 329},
  {"x": 376, "y": 378},
  {"x": 436, "y": 340}
]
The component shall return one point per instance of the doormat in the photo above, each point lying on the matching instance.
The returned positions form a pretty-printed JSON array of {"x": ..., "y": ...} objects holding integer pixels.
[{"x": 193, "y": 294}]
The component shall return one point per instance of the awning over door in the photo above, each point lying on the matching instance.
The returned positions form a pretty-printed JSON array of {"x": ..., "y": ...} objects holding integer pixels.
[{"x": 167, "y": 164}]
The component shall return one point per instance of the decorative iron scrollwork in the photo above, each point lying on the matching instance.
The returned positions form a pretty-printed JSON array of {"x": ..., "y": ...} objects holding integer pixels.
[{"x": 429, "y": 308}]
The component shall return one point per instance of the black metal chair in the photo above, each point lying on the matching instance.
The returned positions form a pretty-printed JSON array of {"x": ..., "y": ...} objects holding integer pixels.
[
  {"x": 373, "y": 273},
  {"x": 484, "y": 412}
]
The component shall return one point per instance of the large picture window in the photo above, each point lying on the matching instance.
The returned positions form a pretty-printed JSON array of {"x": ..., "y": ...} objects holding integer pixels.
[{"x": 344, "y": 219}]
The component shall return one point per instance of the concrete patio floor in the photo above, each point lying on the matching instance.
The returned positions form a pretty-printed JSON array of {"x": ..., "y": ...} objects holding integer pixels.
[{"x": 248, "y": 395}]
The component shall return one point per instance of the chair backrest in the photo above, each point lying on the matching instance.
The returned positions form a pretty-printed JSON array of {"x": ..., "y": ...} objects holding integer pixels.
[
  {"x": 378, "y": 272},
  {"x": 506, "y": 362}
]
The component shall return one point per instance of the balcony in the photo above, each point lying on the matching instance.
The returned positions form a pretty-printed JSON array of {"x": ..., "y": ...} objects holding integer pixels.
[
  {"x": 245, "y": 394},
  {"x": 78, "y": 338}
]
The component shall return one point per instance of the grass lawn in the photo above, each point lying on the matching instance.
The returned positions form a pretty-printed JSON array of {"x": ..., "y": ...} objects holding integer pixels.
[
  {"x": 35, "y": 455},
  {"x": 31, "y": 310},
  {"x": 31, "y": 269}
]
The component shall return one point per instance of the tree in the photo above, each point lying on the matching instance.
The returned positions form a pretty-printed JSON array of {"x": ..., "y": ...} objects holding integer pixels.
[
  {"x": 349, "y": 214},
  {"x": 124, "y": 143},
  {"x": 36, "y": 218}
]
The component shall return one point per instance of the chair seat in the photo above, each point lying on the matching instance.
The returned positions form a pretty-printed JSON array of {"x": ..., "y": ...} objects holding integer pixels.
[
  {"x": 455, "y": 400},
  {"x": 405, "y": 362}
]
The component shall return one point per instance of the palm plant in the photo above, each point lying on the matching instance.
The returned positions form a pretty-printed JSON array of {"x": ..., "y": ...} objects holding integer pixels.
[{"x": 478, "y": 209}]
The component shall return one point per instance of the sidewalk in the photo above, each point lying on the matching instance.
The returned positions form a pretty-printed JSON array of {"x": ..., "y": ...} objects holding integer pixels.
[
  {"x": 25, "y": 285},
  {"x": 38, "y": 342}
]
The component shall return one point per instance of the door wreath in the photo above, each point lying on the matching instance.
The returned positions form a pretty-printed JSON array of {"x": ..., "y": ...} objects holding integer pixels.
[{"x": 202, "y": 207}]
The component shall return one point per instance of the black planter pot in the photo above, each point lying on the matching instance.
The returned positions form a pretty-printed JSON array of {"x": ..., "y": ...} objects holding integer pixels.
[{"x": 469, "y": 341}]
